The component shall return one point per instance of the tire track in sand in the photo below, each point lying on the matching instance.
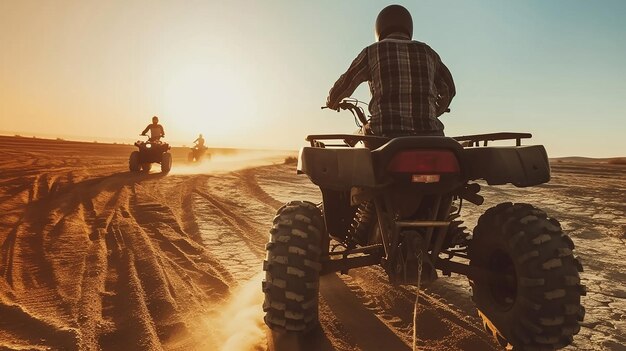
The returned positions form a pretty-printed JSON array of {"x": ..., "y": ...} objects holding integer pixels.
[
  {"x": 129, "y": 273},
  {"x": 229, "y": 236},
  {"x": 92, "y": 307},
  {"x": 181, "y": 263},
  {"x": 25, "y": 263},
  {"x": 49, "y": 222}
]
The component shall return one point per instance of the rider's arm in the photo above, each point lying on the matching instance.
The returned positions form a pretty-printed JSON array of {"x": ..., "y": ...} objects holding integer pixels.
[
  {"x": 445, "y": 87},
  {"x": 357, "y": 73},
  {"x": 162, "y": 130},
  {"x": 145, "y": 130}
]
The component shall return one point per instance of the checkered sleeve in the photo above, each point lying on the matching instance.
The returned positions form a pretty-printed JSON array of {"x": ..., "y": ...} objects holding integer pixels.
[
  {"x": 357, "y": 73},
  {"x": 445, "y": 87}
]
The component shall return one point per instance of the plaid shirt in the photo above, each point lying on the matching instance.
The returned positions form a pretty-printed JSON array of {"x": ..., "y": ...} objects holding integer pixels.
[{"x": 410, "y": 86}]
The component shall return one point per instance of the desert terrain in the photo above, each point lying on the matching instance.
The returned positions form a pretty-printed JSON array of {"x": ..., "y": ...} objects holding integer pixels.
[{"x": 94, "y": 257}]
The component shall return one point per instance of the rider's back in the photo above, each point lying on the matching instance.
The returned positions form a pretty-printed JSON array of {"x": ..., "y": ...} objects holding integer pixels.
[
  {"x": 403, "y": 79},
  {"x": 410, "y": 86}
]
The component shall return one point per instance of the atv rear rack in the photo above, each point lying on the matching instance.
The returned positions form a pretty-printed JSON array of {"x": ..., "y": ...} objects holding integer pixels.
[
  {"x": 467, "y": 140},
  {"x": 349, "y": 139},
  {"x": 474, "y": 140}
]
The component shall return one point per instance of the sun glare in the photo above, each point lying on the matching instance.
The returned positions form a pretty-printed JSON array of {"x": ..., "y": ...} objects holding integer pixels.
[{"x": 207, "y": 98}]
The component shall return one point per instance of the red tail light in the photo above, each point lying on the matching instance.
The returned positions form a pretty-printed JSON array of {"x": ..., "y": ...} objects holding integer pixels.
[{"x": 424, "y": 162}]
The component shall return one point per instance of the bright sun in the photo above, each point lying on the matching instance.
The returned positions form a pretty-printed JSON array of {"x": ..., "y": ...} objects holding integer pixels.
[{"x": 208, "y": 98}]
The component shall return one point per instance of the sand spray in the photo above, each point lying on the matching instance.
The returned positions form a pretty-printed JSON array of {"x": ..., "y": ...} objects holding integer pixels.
[
  {"x": 221, "y": 163},
  {"x": 238, "y": 323}
]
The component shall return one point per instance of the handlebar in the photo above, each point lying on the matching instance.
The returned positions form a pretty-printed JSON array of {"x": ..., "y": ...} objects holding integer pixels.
[
  {"x": 357, "y": 111},
  {"x": 351, "y": 105}
]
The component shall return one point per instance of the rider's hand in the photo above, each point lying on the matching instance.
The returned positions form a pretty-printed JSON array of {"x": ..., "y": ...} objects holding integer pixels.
[
  {"x": 331, "y": 105},
  {"x": 367, "y": 129}
]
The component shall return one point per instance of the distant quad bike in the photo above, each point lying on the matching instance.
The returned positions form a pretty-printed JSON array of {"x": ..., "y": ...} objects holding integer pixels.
[
  {"x": 150, "y": 152},
  {"x": 397, "y": 204},
  {"x": 197, "y": 153}
]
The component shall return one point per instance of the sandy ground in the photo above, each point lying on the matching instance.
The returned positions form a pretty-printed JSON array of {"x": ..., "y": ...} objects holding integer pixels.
[{"x": 96, "y": 258}]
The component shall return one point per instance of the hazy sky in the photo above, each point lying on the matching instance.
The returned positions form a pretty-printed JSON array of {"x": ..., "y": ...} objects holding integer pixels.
[{"x": 255, "y": 73}]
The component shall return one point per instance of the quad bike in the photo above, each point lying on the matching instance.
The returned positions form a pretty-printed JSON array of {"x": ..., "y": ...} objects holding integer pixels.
[
  {"x": 150, "y": 151},
  {"x": 197, "y": 153},
  {"x": 397, "y": 204}
]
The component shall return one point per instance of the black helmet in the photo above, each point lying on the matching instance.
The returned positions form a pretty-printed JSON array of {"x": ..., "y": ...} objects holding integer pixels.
[
  {"x": 393, "y": 18},
  {"x": 155, "y": 119}
]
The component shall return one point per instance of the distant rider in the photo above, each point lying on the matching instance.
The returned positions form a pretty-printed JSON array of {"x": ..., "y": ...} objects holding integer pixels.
[
  {"x": 410, "y": 86},
  {"x": 199, "y": 142},
  {"x": 156, "y": 130}
]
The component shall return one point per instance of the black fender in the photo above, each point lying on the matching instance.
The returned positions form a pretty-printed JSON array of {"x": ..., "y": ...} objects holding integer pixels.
[
  {"x": 521, "y": 166},
  {"x": 338, "y": 169}
]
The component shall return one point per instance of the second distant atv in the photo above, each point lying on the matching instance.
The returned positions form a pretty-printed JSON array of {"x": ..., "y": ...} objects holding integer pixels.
[
  {"x": 197, "y": 153},
  {"x": 150, "y": 152}
]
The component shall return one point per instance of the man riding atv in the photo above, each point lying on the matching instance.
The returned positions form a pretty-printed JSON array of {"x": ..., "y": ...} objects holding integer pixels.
[
  {"x": 156, "y": 130},
  {"x": 199, "y": 142},
  {"x": 410, "y": 86},
  {"x": 151, "y": 151},
  {"x": 397, "y": 204},
  {"x": 198, "y": 151}
]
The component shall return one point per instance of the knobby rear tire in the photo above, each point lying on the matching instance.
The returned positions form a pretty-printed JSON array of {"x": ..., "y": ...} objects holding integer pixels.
[
  {"x": 540, "y": 309},
  {"x": 292, "y": 267}
]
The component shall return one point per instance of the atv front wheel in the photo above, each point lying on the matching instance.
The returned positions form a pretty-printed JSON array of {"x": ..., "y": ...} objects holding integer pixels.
[
  {"x": 530, "y": 300},
  {"x": 166, "y": 162},
  {"x": 292, "y": 267},
  {"x": 133, "y": 162}
]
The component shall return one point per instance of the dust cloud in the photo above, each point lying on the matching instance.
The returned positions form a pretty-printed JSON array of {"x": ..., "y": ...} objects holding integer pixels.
[
  {"x": 238, "y": 324},
  {"x": 222, "y": 163}
]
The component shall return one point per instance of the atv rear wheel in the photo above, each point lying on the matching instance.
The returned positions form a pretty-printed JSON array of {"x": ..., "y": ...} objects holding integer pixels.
[
  {"x": 531, "y": 300},
  {"x": 166, "y": 162},
  {"x": 133, "y": 162},
  {"x": 292, "y": 267}
]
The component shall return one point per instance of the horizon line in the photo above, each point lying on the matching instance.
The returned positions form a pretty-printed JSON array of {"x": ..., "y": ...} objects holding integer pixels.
[{"x": 131, "y": 143}]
